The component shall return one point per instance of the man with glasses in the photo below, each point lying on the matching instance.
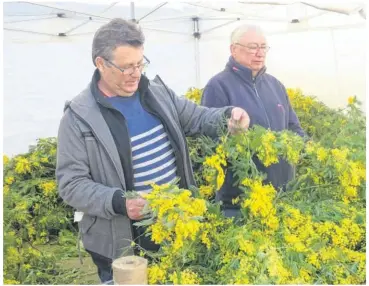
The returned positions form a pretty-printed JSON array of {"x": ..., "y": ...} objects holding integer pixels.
[
  {"x": 244, "y": 83},
  {"x": 122, "y": 133}
]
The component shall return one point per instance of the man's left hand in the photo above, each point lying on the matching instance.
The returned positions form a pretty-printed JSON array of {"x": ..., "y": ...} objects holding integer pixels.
[{"x": 239, "y": 120}]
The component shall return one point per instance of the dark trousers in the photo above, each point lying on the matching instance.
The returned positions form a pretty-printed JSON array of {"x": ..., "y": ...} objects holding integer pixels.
[
  {"x": 236, "y": 213},
  {"x": 104, "y": 269}
]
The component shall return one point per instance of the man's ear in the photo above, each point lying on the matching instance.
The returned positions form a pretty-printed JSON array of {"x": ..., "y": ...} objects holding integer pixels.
[
  {"x": 100, "y": 64},
  {"x": 232, "y": 49}
]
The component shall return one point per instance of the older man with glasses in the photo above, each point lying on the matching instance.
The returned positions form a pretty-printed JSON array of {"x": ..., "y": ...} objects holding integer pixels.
[
  {"x": 244, "y": 83},
  {"x": 122, "y": 133}
]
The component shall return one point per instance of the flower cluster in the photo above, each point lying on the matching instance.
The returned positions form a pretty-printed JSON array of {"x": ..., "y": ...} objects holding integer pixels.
[
  {"x": 216, "y": 163},
  {"x": 260, "y": 203},
  {"x": 177, "y": 215},
  {"x": 194, "y": 94}
]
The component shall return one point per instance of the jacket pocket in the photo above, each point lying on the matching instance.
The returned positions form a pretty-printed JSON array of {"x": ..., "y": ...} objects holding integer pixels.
[
  {"x": 87, "y": 222},
  {"x": 94, "y": 157},
  {"x": 100, "y": 227}
]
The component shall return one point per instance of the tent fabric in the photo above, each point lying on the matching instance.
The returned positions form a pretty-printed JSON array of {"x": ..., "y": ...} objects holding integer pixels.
[
  {"x": 75, "y": 18},
  {"x": 318, "y": 46}
]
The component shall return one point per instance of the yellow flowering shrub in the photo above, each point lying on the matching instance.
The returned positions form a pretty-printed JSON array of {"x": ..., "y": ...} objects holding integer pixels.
[
  {"x": 275, "y": 242},
  {"x": 331, "y": 127},
  {"x": 34, "y": 216},
  {"x": 312, "y": 233}
]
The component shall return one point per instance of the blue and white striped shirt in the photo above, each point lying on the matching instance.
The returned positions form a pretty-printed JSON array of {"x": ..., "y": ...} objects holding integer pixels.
[{"x": 152, "y": 154}]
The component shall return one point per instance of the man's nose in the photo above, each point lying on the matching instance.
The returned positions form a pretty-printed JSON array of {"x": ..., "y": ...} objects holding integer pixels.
[
  {"x": 260, "y": 53},
  {"x": 136, "y": 73}
]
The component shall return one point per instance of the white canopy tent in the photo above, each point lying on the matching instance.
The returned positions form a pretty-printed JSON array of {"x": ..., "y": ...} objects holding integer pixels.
[{"x": 317, "y": 46}]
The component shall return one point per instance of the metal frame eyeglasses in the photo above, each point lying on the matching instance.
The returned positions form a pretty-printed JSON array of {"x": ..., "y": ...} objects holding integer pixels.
[
  {"x": 130, "y": 70},
  {"x": 254, "y": 48}
]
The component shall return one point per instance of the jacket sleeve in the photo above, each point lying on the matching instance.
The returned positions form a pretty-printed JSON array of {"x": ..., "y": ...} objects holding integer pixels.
[
  {"x": 213, "y": 95},
  {"x": 75, "y": 184}
]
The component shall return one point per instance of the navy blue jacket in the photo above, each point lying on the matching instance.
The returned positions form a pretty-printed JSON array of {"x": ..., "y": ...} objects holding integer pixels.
[{"x": 265, "y": 100}]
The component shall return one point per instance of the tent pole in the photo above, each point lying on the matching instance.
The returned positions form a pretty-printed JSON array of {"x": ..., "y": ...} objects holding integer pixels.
[
  {"x": 133, "y": 18},
  {"x": 197, "y": 35},
  {"x": 197, "y": 61}
]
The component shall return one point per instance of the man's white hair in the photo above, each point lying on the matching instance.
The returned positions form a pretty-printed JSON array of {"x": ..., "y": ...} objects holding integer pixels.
[{"x": 240, "y": 31}]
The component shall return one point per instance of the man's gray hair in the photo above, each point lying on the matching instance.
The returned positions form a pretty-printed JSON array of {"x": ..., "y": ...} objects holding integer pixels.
[
  {"x": 240, "y": 31},
  {"x": 118, "y": 32}
]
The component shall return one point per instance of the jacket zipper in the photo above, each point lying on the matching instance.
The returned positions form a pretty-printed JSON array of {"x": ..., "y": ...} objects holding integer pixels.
[{"x": 262, "y": 104}]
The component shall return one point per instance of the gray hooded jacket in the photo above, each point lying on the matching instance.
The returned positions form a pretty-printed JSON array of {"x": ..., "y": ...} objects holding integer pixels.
[{"x": 89, "y": 170}]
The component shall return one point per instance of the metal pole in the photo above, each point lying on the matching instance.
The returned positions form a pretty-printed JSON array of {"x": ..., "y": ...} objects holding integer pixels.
[
  {"x": 197, "y": 35},
  {"x": 133, "y": 17},
  {"x": 197, "y": 62}
]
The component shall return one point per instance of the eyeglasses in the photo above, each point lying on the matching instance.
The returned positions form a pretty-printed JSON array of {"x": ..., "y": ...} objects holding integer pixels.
[
  {"x": 254, "y": 48},
  {"x": 130, "y": 70}
]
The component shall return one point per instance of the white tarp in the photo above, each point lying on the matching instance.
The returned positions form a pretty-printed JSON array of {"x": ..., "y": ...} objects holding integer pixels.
[{"x": 323, "y": 52}]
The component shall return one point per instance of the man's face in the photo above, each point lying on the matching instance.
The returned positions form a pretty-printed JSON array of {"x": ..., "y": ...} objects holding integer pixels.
[
  {"x": 123, "y": 72},
  {"x": 251, "y": 50}
]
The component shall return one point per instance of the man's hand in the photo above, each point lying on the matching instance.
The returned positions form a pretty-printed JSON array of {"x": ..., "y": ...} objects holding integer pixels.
[
  {"x": 134, "y": 208},
  {"x": 239, "y": 120}
]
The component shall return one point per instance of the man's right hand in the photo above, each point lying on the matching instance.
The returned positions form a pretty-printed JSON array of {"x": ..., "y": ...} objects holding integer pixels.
[{"x": 134, "y": 208}]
